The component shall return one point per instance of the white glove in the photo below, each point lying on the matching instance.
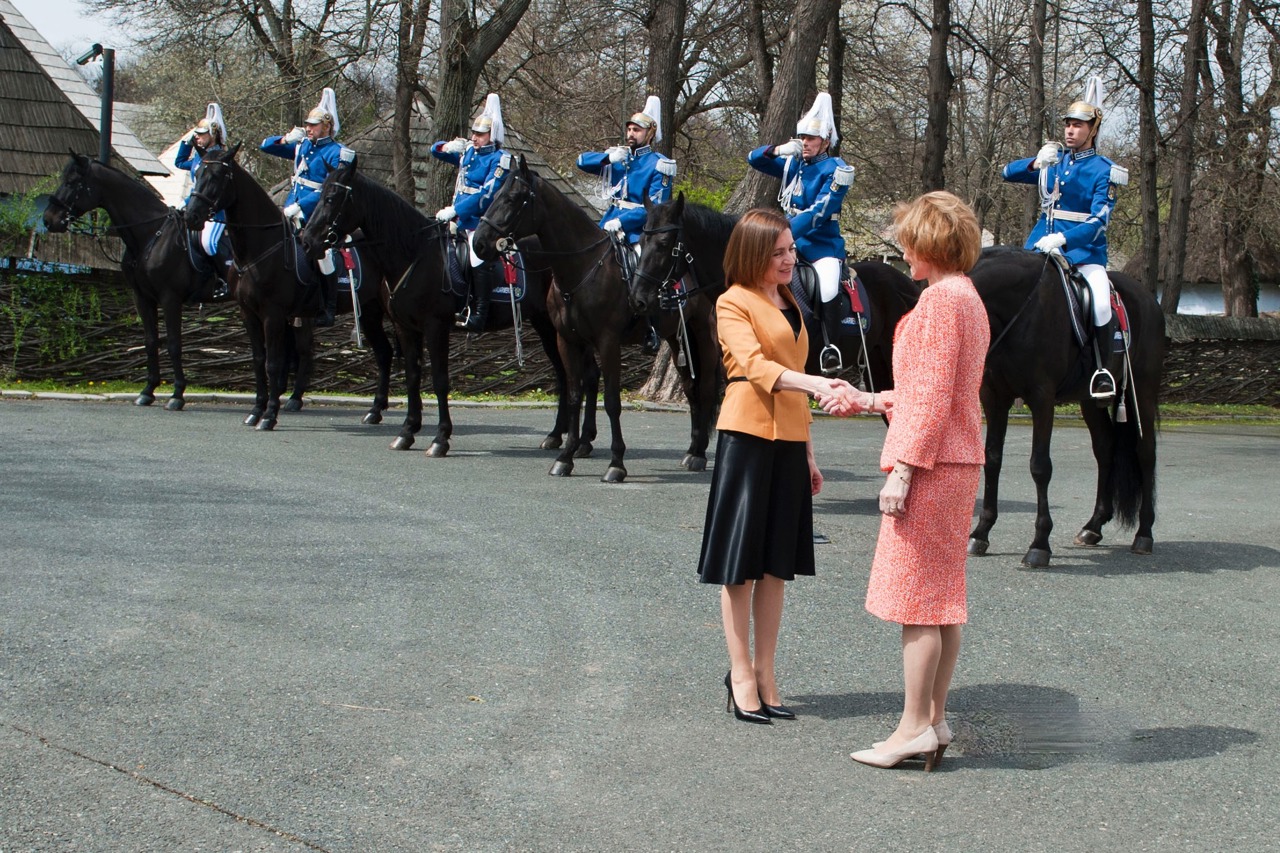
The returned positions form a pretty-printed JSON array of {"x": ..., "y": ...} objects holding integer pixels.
[
  {"x": 294, "y": 214},
  {"x": 790, "y": 148},
  {"x": 444, "y": 214},
  {"x": 295, "y": 135},
  {"x": 617, "y": 153},
  {"x": 455, "y": 146},
  {"x": 613, "y": 226},
  {"x": 1048, "y": 156},
  {"x": 1050, "y": 243},
  {"x": 190, "y": 137}
]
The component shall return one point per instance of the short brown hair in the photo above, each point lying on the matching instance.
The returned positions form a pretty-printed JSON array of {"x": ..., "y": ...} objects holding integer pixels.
[
  {"x": 941, "y": 229},
  {"x": 750, "y": 249}
]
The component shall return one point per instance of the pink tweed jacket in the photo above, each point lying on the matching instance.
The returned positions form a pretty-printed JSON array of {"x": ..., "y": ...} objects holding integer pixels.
[{"x": 939, "y": 350}]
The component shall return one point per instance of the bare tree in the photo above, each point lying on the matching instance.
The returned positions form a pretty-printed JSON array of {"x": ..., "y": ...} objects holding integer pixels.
[{"x": 933, "y": 170}]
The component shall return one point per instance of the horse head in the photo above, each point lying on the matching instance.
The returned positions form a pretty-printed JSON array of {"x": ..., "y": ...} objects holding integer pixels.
[
  {"x": 215, "y": 187},
  {"x": 75, "y": 196},
  {"x": 663, "y": 256},
  {"x": 511, "y": 216},
  {"x": 335, "y": 216}
]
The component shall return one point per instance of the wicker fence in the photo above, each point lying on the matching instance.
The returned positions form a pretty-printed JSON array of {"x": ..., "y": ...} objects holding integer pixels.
[{"x": 1209, "y": 359}]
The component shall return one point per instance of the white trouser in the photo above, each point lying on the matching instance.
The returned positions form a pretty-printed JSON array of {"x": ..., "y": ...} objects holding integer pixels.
[
  {"x": 828, "y": 270},
  {"x": 1100, "y": 286},
  {"x": 210, "y": 235}
]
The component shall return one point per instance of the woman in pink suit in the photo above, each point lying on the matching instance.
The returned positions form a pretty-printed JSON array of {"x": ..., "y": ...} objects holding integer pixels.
[{"x": 933, "y": 452}]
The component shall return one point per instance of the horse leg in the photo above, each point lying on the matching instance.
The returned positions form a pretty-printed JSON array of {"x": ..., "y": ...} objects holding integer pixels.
[
  {"x": 173, "y": 334},
  {"x": 1143, "y": 541},
  {"x": 575, "y": 359},
  {"x": 702, "y": 391},
  {"x": 411, "y": 352},
  {"x": 1037, "y": 556},
  {"x": 298, "y": 355},
  {"x": 275, "y": 329},
  {"x": 547, "y": 337},
  {"x": 371, "y": 325},
  {"x": 151, "y": 343},
  {"x": 611, "y": 367},
  {"x": 437, "y": 336},
  {"x": 253, "y": 326},
  {"x": 997, "y": 415},
  {"x": 590, "y": 396},
  {"x": 1102, "y": 437}
]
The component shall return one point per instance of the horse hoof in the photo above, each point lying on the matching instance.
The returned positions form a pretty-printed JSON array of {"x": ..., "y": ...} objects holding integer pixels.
[
  {"x": 402, "y": 442},
  {"x": 614, "y": 475},
  {"x": 1142, "y": 545},
  {"x": 1036, "y": 558},
  {"x": 694, "y": 463},
  {"x": 266, "y": 425},
  {"x": 252, "y": 420},
  {"x": 583, "y": 451},
  {"x": 144, "y": 400},
  {"x": 561, "y": 469},
  {"x": 551, "y": 442},
  {"x": 978, "y": 547},
  {"x": 373, "y": 417},
  {"x": 175, "y": 404},
  {"x": 1088, "y": 538},
  {"x": 293, "y": 404},
  {"x": 438, "y": 450}
]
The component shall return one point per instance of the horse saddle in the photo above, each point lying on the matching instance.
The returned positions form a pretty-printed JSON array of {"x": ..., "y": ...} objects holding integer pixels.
[
  {"x": 210, "y": 281},
  {"x": 625, "y": 254},
  {"x": 512, "y": 288},
  {"x": 458, "y": 262},
  {"x": 1080, "y": 299},
  {"x": 350, "y": 268},
  {"x": 851, "y": 302}
]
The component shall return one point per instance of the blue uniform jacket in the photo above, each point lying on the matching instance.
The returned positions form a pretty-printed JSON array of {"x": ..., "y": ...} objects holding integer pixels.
[
  {"x": 481, "y": 172},
  {"x": 632, "y": 181},
  {"x": 1085, "y": 182},
  {"x": 814, "y": 204},
  {"x": 188, "y": 158},
  {"x": 311, "y": 162}
]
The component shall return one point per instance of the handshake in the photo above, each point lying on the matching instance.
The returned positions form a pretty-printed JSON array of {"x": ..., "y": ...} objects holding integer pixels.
[{"x": 838, "y": 397}]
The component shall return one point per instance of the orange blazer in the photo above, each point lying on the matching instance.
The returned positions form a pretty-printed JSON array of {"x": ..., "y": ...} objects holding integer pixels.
[
  {"x": 757, "y": 344},
  {"x": 939, "y": 352}
]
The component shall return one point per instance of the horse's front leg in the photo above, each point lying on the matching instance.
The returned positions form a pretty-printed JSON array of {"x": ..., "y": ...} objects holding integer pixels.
[
  {"x": 702, "y": 391},
  {"x": 258, "y": 353},
  {"x": 411, "y": 352},
  {"x": 371, "y": 325},
  {"x": 1037, "y": 556},
  {"x": 173, "y": 332},
  {"x": 299, "y": 354},
  {"x": 590, "y": 397},
  {"x": 575, "y": 359},
  {"x": 547, "y": 337},
  {"x": 151, "y": 343},
  {"x": 274, "y": 330},
  {"x": 437, "y": 338},
  {"x": 997, "y": 415},
  {"x": 611, "y": 368},
  {"x": 1102, "y": 437}
]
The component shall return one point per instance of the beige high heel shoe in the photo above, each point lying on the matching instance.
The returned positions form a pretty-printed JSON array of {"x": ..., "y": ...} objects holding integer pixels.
[
  {"x": 943, "y": 731},
  {"x": 925, "y": 743}
]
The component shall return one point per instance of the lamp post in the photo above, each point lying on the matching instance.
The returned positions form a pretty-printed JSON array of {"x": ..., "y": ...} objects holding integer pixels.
[{"x": 108, "y": 96}]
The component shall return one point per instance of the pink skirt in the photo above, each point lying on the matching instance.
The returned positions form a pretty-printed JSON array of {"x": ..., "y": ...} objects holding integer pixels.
[{"x": 917, "y": 575}]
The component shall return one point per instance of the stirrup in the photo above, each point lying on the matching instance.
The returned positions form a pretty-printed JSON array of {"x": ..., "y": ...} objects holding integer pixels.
[
  {"x": 830, "y": 361},
  {"x": 462, "y": 318},
  {"x": 221, "y": 290},
  {"x": 1102, "y": 385}
]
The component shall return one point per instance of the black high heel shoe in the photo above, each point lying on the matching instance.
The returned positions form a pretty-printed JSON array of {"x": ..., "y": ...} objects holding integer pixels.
[
  {"x": 781, "y": 712},
  {"x": 731, "y": 704}
]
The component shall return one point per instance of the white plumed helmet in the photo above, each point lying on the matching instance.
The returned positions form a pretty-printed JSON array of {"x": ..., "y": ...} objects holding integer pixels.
[
  {"x": 820, "y": 121},
  {"x": 490, "y": 119},
  {"x": 650, "y": 117}
]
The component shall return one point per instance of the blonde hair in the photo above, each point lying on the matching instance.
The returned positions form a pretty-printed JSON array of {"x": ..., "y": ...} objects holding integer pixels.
[
  {"x": 941, "y": 229},
  {"x": 750, "y": 249}
]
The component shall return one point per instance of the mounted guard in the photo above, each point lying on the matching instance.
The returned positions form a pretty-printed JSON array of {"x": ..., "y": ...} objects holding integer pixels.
[
  {"x": 482, "y": 167},
  {"x": 814, "y": 184},
  {"x": 630, "y": 175},
  {"x": 209, "y": 134},
  {"x": 315, "y": 152},
  {"x": 1077, "y": 188}
]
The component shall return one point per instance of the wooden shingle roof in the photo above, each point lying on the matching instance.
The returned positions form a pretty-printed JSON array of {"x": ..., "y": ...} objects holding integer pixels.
[{"x": 46, "y": 108}]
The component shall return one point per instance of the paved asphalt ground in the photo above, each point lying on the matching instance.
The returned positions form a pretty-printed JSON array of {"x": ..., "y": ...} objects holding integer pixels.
[{"x": 214, "y": 639}]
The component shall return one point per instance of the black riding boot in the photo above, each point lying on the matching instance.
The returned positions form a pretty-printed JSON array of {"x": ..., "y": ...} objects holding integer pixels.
[
  {"x": 222, "y": 272},
  {"x": 482, "y": 283},
  {"x": 652, "y": 343},
  {"x": 829, "y": 359},
  {"x": 1102, "y": 385},
  {"x": 329, "y": 293}
]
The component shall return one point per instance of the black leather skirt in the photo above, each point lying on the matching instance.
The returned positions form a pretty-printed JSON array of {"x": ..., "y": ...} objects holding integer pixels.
[{"x": 759, "y": 513}]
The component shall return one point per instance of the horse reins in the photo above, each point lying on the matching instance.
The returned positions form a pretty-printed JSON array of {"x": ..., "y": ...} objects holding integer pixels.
[{"x": 1025, "y": 303}]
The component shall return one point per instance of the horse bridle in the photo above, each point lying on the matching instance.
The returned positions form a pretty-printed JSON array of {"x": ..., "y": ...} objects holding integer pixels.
[
  {"x": 507, "y": 244},
  {"x": 283, "y": 224},
  {"x": 332, "y": 234},
  {"x": 669, "y": 295}
]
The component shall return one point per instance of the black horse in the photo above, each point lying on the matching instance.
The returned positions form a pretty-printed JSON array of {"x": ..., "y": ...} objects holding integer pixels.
[
  {"x": 1034, "y": 355},
  {"x": 588, "y": 300},
  {"x": 155, "y": 261},
  {"x": 680, "y": 237},
  {"x": 411, "y": 248},
  {"x": 269, "y": 291}
]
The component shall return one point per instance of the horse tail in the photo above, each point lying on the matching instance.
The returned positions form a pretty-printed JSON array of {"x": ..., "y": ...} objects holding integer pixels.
[{"x": 1126, "y": 474}]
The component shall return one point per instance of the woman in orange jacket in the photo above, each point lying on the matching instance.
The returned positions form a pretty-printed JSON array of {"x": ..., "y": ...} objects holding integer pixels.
[{"x": 759, "y": 524}]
